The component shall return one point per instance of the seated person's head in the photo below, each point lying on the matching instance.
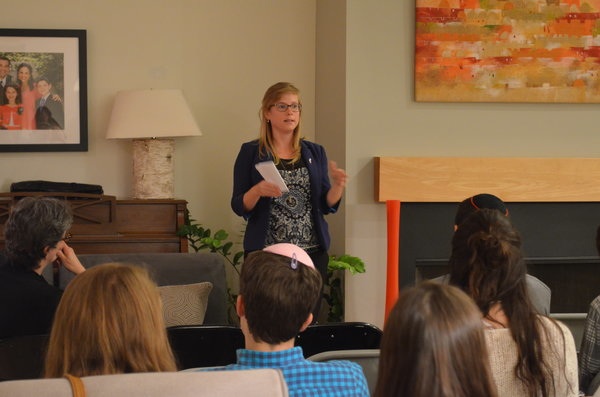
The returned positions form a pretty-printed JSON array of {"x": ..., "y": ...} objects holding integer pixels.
[
  {"x": 476, "y": 203},
  {"x": 486, "y": 259},
  {"x": 35, "y": 226},
  {"x": 433, "y": 345},
  {"x": 109, "y": 321},
  {"x": 279, "y": 288}
]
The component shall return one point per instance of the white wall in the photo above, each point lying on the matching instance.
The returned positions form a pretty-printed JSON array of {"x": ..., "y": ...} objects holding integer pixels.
[{"x": 330, "y": 91}]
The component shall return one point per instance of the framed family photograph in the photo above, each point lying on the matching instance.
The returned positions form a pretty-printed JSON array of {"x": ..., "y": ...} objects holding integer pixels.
[{"x": 43, "y": 90}]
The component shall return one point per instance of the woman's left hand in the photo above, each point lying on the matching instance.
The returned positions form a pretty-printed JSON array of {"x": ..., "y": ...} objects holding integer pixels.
[
  {"x": 338, "y": 175},
  {"x": 339, "y": 178}
]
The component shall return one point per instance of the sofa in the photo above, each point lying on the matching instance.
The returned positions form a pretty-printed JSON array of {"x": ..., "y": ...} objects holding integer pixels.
[
  {"x": 247, "y": 383},
  {"x": 22, "y": 357},
  {"x": 169, "y": 269}
]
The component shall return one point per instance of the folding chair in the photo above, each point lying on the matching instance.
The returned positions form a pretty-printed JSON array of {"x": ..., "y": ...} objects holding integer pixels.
[
  {"x": 338, "y": 336},
  {"x": 205, "y": 345},
  {"x": 368, "y": 359}
]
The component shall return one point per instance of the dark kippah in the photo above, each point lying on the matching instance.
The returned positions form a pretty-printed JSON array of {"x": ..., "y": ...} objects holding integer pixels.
[{"x": 477, "y": 202}]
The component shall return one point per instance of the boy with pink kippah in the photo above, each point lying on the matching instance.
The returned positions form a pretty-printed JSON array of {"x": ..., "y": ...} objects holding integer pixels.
[{"x": 279, "y": 287}]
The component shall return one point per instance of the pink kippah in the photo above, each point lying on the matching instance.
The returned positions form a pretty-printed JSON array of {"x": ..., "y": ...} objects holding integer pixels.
[{"x": 291, "y": 251}]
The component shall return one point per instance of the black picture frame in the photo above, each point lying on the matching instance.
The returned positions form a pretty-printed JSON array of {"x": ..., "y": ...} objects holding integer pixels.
[{"x": 58, "y": 56}]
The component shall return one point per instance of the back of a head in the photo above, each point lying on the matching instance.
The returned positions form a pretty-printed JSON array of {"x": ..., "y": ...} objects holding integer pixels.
[
  {"x": 109, "y": 320},
  {"x": 432, "y": 346},
  {"x": 33, "y": 224},
  {"x": 476, "y": 203},
  {"x": 279, "y": 293},
  {"x": 486, "y": 259}
]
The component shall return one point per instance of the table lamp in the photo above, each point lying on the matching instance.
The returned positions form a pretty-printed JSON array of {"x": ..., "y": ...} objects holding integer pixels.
[{"x": 152, "y": 118}]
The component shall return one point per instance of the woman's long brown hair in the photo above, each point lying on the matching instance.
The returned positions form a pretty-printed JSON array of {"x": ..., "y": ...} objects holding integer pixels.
[
  {"x": 433, "y": 346},
  {"x": 487, "y": 263}
]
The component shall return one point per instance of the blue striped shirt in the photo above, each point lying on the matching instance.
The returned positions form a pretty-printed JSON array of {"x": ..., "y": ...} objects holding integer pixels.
[{"x": 339, "y": 378}]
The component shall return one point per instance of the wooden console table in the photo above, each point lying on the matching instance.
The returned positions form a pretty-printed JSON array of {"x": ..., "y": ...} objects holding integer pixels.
[{"x": 104, "y": 225}]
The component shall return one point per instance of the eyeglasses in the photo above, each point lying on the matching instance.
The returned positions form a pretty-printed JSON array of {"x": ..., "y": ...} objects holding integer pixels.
[
  {"x": 282, "y": 107},
  {"x": 67, "y": 237}
]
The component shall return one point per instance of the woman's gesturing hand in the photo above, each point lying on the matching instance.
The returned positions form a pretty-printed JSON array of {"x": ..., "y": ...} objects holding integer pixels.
[
  {"x": 339, "y": 178},
  {"x": 338, "y": 175}
]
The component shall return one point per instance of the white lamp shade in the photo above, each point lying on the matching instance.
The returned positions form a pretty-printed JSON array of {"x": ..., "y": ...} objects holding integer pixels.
[{"x": 141, "y": 114}]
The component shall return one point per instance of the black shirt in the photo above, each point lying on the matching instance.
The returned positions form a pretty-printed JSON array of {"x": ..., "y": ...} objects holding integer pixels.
[{"x": 27, "y": 302}]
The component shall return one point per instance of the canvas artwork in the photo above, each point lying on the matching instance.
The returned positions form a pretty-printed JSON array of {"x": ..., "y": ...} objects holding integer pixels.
[{"x": 544, "y": 51}]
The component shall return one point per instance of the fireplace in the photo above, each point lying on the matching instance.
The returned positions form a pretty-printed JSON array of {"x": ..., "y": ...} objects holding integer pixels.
[
  {"x": 558, "y": 242},
  {"x": 554, "y": 202}
]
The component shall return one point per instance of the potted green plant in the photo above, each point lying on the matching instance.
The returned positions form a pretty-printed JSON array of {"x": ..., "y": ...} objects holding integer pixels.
[
  {"x": 201, "y": 238},
  {"x": 333, "y": 288}
]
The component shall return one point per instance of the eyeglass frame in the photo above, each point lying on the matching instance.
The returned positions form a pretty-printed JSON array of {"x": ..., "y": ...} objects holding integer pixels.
[
  {"x": 67, "y": 238},
  {"x": 282, "y": 107}
]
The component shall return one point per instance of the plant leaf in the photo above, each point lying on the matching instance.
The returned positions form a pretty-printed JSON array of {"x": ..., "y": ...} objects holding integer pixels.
[
  {"x": 221, "y": 235},
  {"x": 346, "y": 262}
]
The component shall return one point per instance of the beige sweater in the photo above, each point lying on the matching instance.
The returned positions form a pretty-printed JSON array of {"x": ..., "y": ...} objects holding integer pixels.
[{"x": 503, "y": 359}]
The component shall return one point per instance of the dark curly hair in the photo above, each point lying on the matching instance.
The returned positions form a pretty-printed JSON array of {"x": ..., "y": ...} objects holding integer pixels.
[{"x": 16, "y": 87}]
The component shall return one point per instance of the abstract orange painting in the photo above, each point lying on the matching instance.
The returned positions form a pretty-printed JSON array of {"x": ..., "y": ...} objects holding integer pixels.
[{"x": 507, "y": 51}]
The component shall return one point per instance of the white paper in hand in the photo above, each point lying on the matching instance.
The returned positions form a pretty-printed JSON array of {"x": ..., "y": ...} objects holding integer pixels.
[{"x": 270, "y": 174}]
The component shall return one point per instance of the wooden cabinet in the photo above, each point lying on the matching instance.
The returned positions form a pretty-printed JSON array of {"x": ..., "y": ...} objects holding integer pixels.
[{"x": 104, "y": 225}]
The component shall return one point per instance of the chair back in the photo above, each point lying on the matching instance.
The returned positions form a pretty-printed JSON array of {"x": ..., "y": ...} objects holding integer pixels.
[
  {"x": 205, "y": 345},
  {"x": 247, "y": 383},
  {"x": 368, "y": 359},
  {"x": 594, "y": 387},
  {"x": 22, "y": 357},
  {"x": 338, "y": 336}
]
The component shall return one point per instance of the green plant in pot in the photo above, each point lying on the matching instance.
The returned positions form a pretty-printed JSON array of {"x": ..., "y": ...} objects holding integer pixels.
[
  {"x": 334, "y": 294},
  {"x": 201, "y": 238}
]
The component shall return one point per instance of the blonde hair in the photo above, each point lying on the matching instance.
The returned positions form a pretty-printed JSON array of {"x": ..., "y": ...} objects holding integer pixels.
[
  {"x": 109, "y": 321},
  {"x": 265, "y": 140}
]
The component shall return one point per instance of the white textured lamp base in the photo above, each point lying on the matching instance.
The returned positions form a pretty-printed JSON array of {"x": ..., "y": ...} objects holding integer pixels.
[{"x": 153, "y": 168}]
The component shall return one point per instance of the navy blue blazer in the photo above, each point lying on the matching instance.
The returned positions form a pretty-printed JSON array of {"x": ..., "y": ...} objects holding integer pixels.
[
  {"x": 245, "y": 176},
  {"x": 51, "y": 116}
]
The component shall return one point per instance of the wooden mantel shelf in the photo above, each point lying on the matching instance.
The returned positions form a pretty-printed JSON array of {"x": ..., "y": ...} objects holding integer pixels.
[{"x": 451, "y": 179}]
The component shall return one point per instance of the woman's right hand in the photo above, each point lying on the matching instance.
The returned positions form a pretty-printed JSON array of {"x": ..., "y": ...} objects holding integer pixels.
[
  {"x": 267, "y": 189},
  {"x": 261, "y": 189}
]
